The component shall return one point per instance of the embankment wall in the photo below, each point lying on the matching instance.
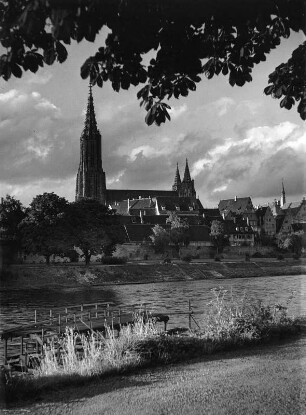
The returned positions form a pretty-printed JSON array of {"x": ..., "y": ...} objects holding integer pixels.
[{"x": 41, "y": 275}]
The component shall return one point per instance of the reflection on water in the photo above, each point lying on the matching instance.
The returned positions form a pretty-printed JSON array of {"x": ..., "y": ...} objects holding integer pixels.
[{"x": 18, "y": 307}]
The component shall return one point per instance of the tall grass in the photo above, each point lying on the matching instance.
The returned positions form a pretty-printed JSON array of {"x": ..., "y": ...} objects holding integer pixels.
[{"x": 95, "y": 354}]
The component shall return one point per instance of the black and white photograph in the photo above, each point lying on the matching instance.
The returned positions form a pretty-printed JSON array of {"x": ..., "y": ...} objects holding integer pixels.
[{"x": 153, "y": 207}]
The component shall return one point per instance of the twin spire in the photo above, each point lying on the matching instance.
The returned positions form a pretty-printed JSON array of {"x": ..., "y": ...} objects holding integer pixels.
[{"x": 185, "y": 186}]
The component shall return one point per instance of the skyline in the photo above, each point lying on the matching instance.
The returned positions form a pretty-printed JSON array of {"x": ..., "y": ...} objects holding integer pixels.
[{"x": 238, "y": 141}]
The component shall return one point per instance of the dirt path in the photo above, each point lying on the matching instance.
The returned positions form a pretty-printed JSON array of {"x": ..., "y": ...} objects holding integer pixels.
[{"x": 265, "y": 380}]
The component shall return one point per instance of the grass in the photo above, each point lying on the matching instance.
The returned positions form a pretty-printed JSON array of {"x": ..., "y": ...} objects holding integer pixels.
[{"x": 230, "y": 323}]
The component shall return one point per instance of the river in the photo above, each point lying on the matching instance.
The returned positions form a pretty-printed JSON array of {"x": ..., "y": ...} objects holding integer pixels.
[{"x": 17, "y": 306}]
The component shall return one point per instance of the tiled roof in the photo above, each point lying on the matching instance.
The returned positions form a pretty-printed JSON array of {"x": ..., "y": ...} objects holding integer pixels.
[
  {"x": 116, "y": 195},
  {"x": 212, "y": 214},
  {"x": 184, "y": 204},
  {"x": 291, "y": 205},
  {"x": 238, "y": 205}
]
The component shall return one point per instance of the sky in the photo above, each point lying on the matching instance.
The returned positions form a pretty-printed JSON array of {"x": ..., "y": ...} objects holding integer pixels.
[{"x": 237, "y": 140}]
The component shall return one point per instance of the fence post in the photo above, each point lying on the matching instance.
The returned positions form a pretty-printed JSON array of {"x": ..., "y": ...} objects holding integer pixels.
[
  {"x": 189, "y": 314},
  {"x": 35, "y": 316}
]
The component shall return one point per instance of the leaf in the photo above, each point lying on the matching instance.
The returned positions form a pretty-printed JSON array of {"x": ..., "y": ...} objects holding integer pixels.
[
  {"x": 61, "y": 52},
  {"x": 85, "y": 68},
  {"x": 16, "y": 70},
  {"x": 150, "y": 117}
]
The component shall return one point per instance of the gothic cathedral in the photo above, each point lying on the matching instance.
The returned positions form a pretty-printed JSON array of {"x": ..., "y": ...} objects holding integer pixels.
[{"x": 90, "y": 181}]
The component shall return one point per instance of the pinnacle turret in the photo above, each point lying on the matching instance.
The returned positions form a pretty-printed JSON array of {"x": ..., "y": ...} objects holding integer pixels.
[
  {"x": 177, "y": 179},
  {"x": 187, "y": 177}
]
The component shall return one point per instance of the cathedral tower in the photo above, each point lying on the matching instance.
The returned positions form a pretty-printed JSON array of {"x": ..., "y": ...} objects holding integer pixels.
[
  {"x": 177, "y": 180},
  {"x": 90, "y": 181},
  {"x": 186, "y": 188}
]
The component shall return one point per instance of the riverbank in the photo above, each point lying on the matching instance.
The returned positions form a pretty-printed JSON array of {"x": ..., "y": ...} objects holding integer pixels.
[
  {"x": 72, "y": 275},
  {"x": 266, "y": 379}
]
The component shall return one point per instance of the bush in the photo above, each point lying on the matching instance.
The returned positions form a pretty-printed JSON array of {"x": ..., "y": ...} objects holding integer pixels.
[
  {"x": 247, "y": 257},
  {"x": 146, "y": 257},
  {"x": 296, "y": 256},
  {"x": 218, "y": 258},
  {"x": 112, "y": 260},
  {"x": 186, "y": 258},
  {"x": 257, "y": 255},
  {"x": 280, "y": 257}
]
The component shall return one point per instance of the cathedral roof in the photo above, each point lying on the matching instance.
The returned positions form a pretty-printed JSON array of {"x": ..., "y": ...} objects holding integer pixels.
[{"x": 115, "y": 196}]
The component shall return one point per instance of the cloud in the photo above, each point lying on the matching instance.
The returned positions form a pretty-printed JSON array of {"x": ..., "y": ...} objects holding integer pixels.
[
  {"x": 41, "y": 78},
  {"x": 222, "y": 105},
  {"x": 36, "y": 142},
  {"x": 176, "y": 112},
  {"x": 255, "y": 164}
]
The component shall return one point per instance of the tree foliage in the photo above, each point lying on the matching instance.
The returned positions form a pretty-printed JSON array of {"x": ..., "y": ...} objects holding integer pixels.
[
  {"x": 295, "y": 242},
  {"x": 42, "y": 230},
  {"x": 217, "y": 234},
  {"x": 160, "y": 239},
  {"x": 11, "y": 214},
  {"x": 179, "y": 232},
  {"x": 93, "y": 228},
  {"x": 185, "y": 39}
]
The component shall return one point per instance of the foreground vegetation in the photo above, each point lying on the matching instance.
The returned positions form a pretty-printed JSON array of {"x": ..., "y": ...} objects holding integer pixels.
[{"x": 230, "y": 323}]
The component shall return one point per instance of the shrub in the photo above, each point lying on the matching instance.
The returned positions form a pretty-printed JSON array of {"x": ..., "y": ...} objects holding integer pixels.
[
  {"x": 296, "y": 256},
  {"x": 280, "y": 257},
  {"x": 186, "y": 258},
  {"x": 218, "y": 258},
  {"x": 146, "y": 257},
  {"x": 247, "y": 257},
  {"x": 112, "y": 260},
  {"x": 257, "y": 255}
]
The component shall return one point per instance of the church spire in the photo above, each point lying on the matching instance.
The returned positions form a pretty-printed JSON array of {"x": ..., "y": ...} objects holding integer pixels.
[
  {"x": 90, "y": 181},
  {"x": 187, "y": 177},
  {"x": 283, "y": 196},
  {"x": 90, "y": 119},
  {"x": 177, "y": 180}
]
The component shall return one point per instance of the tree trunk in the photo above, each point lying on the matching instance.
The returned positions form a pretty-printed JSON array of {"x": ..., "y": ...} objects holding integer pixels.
[{"x": 87, "y": 258}]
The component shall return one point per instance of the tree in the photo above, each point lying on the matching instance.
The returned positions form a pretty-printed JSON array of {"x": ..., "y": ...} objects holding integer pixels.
[
  {"x": 93, "y": 228},
  {"x": 217, "y": 234},
  {"x": 295, "y": 242},
  {"x": 160, "y": 239},
  {"x": 186, "y": 39},
  {"x": 11, "y": 214},
  {"x": 179, "y": 232},
  {"x": 42, "y": 230}
]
